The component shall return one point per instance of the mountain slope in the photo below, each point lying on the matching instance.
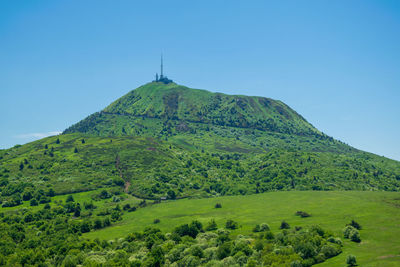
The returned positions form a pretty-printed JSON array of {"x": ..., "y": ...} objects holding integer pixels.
[
  {"x": 177, "y": 112},
  {"x": 169, "y": 138}
]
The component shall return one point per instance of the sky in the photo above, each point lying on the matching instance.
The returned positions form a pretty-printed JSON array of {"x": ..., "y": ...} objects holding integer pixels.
[{"x": 337, "y": 63}]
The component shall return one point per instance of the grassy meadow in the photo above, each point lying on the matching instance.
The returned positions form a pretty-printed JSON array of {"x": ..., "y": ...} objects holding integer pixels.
[{"x": 377, "y": 212}]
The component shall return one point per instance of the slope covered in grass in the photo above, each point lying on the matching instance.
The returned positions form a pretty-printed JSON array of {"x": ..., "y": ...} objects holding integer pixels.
[
  {"x": 151, "y": 168},
  {"x": 377, "y": 212}
]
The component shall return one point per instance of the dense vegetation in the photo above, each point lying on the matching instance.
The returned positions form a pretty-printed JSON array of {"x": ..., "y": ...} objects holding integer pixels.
[
  {"x": 151, "y": 168},
  {"x": 50, "y": 236}
]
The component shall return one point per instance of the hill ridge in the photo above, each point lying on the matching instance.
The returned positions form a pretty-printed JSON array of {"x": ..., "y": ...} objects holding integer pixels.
[{"x": 177, "y": 102}]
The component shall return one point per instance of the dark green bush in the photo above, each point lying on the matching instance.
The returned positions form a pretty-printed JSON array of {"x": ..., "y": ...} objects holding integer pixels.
[
  {"x": 284, "y": 225},
  {"x": 230, "y": 224}
]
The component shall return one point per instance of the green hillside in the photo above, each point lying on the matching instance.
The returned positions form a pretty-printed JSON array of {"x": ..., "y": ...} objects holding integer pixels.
[
  {"x": 179, "y": 103},
  {"x": 164, "y": 138},
  {"x": 162, "y": 156},
  {"x": 171, "y": 111}
]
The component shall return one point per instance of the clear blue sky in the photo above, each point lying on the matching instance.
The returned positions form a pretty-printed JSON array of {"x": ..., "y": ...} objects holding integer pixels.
[{"x": 335, "y": 62}]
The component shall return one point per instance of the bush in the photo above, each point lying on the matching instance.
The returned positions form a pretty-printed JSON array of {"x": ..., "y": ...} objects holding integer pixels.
[
  {"x": 355, "y": 224},
  {"x": 171, "y": 194},
  {"x": 192, "y": 230},
  {"x": 218, "y": 206},
  {"x": 352, "y": 233},
  {"x": 34, "y": 202},
  {"x": 118, "y": 181},
  {"x": 197, "y": 251},
  {"x": 230, "y": 224},
  {"x": 70, "y": 198},
  {"x": 303, "y": 214},
  {"x": 156, "y": 221},
  {"x": 264, "y": 227},
  {"x": 256, "y": 228},
  {"x": 355, "y": 236},
  {"x": 347, "y": 230},
  {"x": 330, "y": 251},
  {"x": 284, "y": 225},
  {"x": 224, "y": 250},
  {"x": 351, "y": 260},
  {"x": 212, "y": 225}
]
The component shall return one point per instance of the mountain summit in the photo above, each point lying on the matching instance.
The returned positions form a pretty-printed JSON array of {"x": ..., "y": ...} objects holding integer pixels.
[{"x": 183, "y": 105}]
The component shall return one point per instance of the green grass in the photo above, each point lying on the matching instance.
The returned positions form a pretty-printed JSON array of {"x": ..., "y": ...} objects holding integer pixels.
[{"x": 377, "y": 212}]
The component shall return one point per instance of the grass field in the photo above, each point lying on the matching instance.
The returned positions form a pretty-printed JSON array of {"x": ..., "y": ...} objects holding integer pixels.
[{"x": 377, "y": 212}]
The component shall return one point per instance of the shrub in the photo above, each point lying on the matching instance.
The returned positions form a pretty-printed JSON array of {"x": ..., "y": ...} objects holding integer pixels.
[
  {"x": 355, "y": 224},
  {"x": 192, "y": 230},
  {"x": 230, "y": 224},
  {"x": 284, "y": 225},
  {"x": 97, "y": 224},
  {"x": 355, "y": 236},
  {"x": 264, "y": 227},
  {"x": 156, "y": 221},
  {"x": 197, "y": 251},
  {"x": 34, "y": 202},
  {"x": 218, "y": 206},
  {"x": 118, "y": 181},
  {"x": 212, "y": 225},
  {"x": 256, "y": 228},
  {"x": 347, "y": 230},
  {"x": 330, "y": 251},
  {"x": 269, "y": 235},
  {"x": 224, "y": 250},
  {"x": 352, "y": 233},
  {"x": 351, "y": 260},
  {"x": 171, "y": 194},
  {"x": 335, "y": 240},
  {"x": 302, "y": 214},
  {"x": 70, "y": 198}
]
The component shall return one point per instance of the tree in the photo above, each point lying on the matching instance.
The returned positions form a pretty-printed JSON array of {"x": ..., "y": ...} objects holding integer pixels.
[
  {"x": 51, "y": 192},
  {"x": 351, "y": 260},
  {"x": 21, "y": 166},
  {"x": 70, "y": 198},
  {"x": 106, "y": 222},
  {"x": 224, "y": 250},
  {"x": 158, "y": 256},
  {"x": 75, "y": 150},
  {"x": 33, "y": 202},
  {"x": 284, "y": 225},
  {"x": 118, "y": 181},
  {"x": 212, "y": 225},
  {"x": 171, "y": 194},
  {"x": 57, "y": 141},
  {"x": 231, "y": 224},
  {"x": 85, "y": 227},
  {"x": 77, "y": 211},
  {"x": 355, "y": 236},
  {"x": 355, "y": 224},
  {"x": 27, "y": 195},
  {"x": 97, "y": 224},
  {"x": 264, "y": 227}
]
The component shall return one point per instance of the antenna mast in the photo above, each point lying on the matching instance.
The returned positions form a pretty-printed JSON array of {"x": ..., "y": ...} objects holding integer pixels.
[{"x": 161, "y": 66}]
